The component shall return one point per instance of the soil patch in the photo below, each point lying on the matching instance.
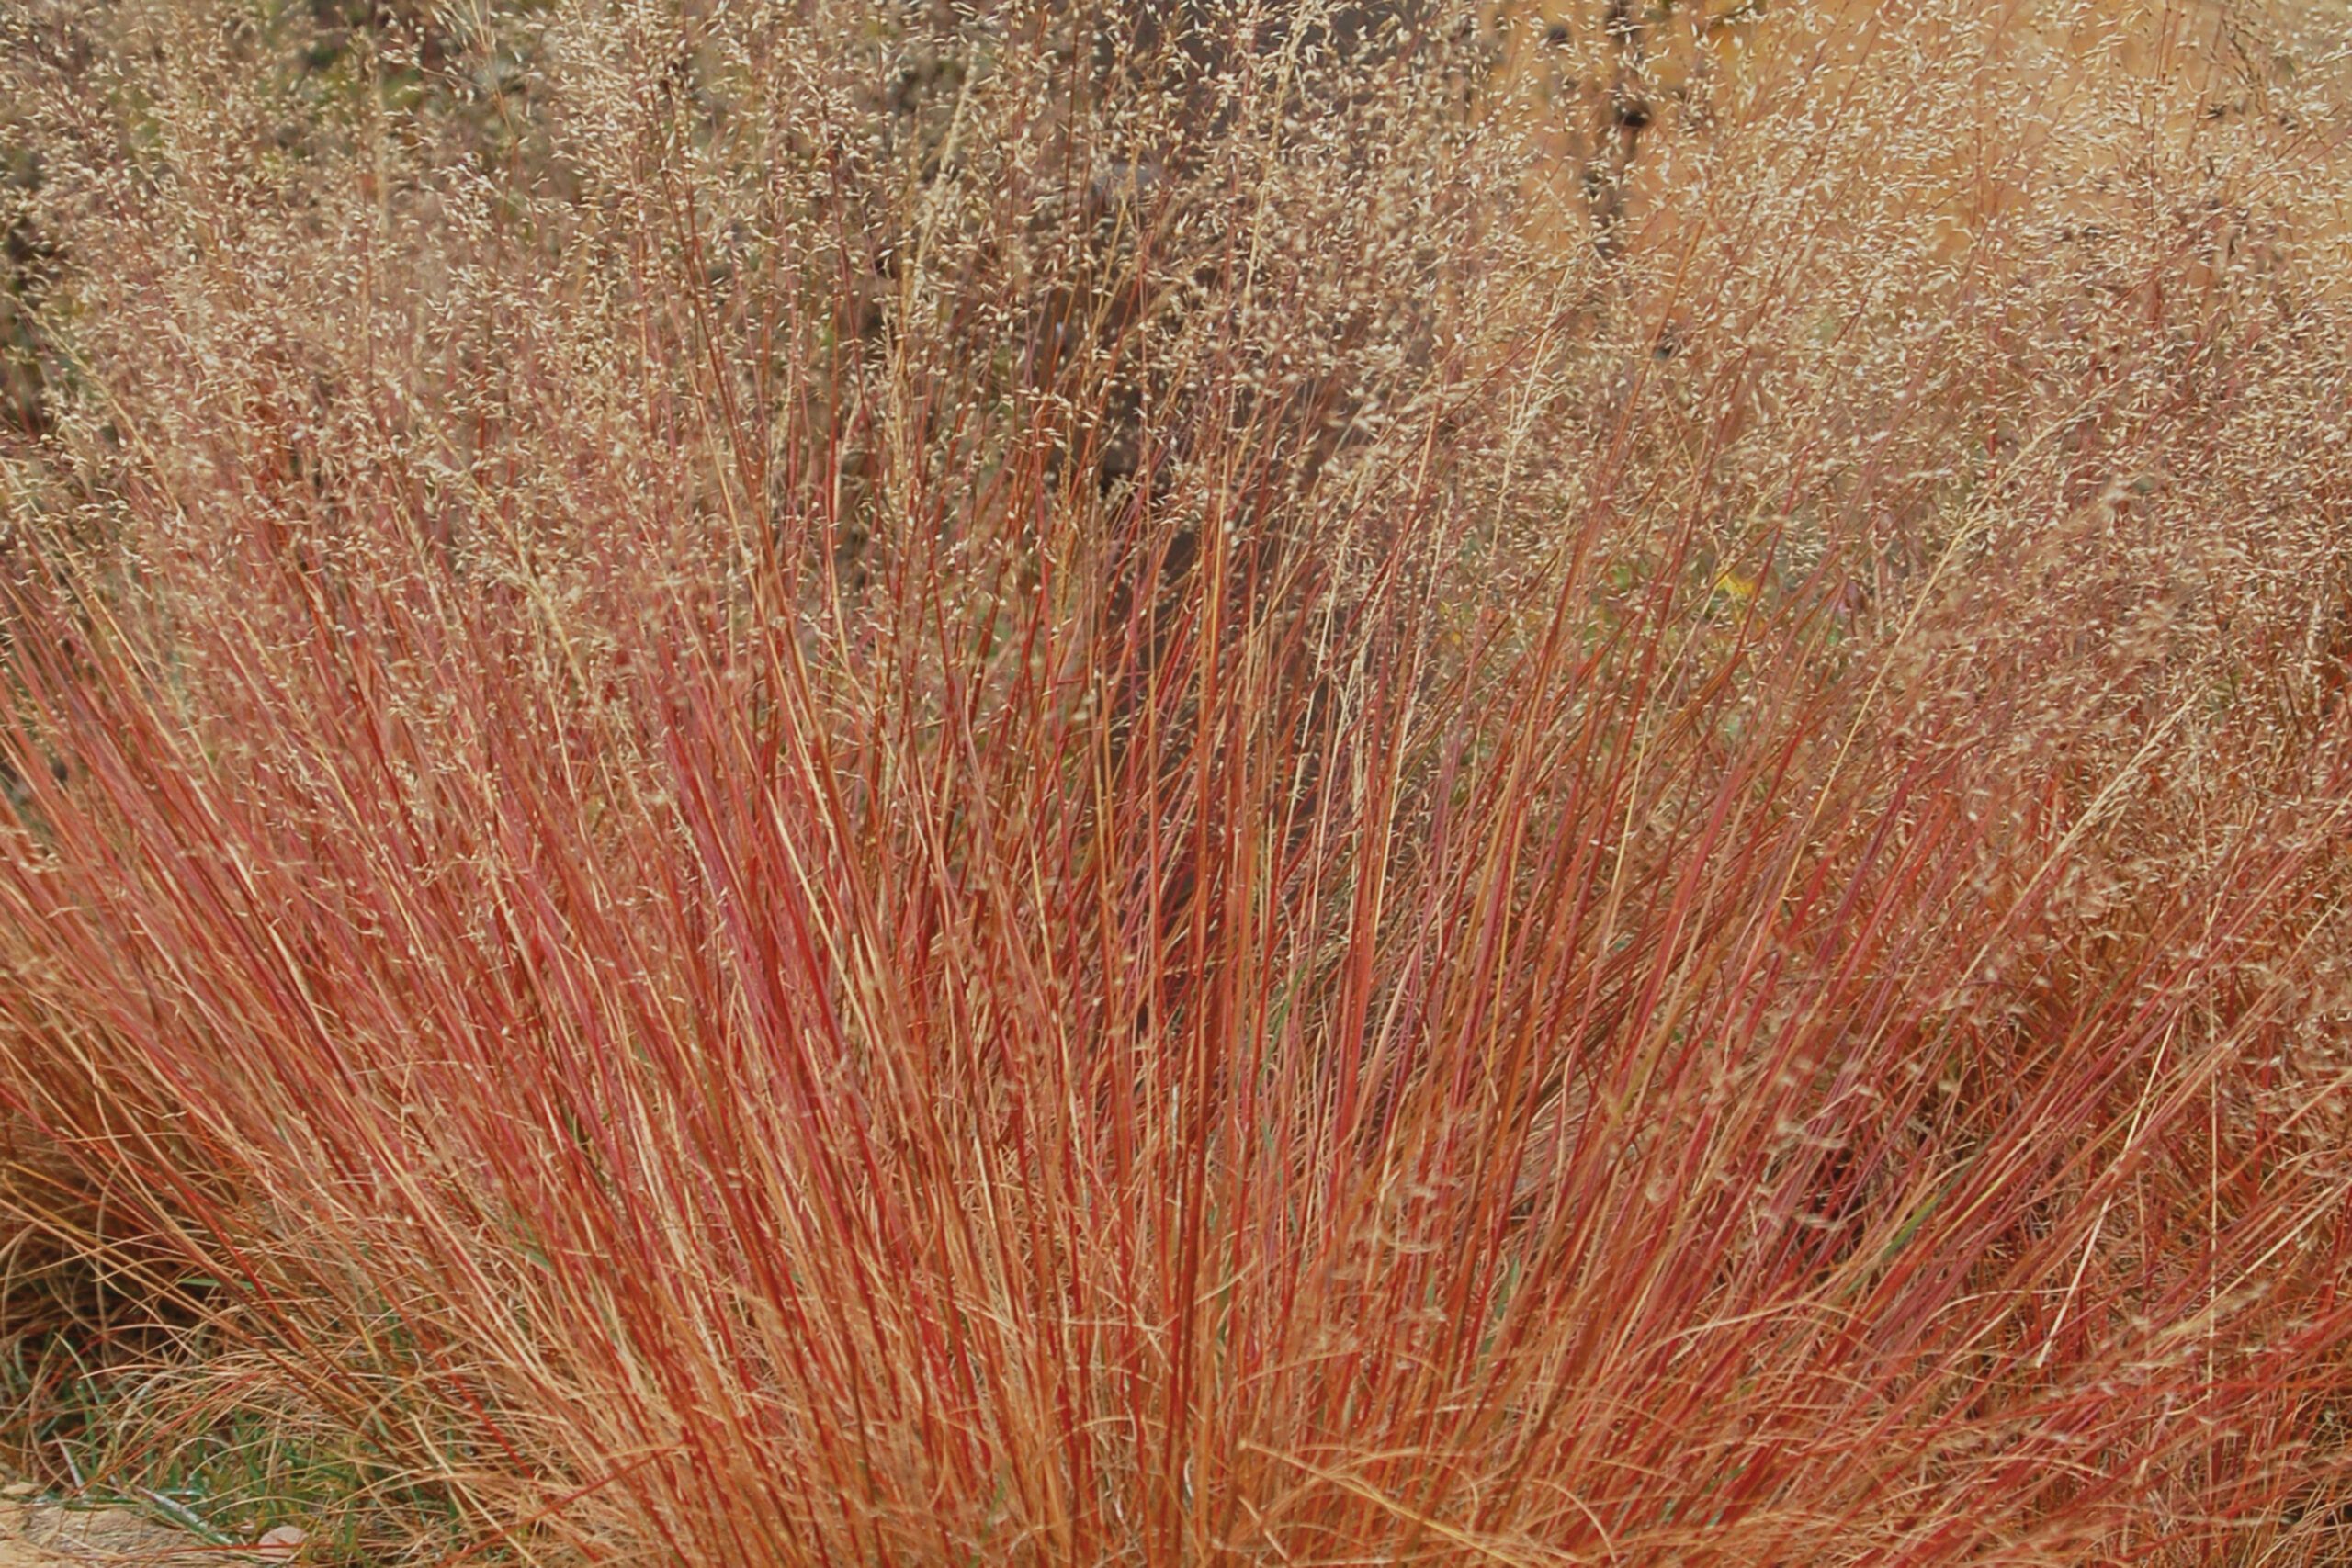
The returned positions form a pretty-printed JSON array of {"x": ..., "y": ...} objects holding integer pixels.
[{"x": 36, "y": 1534}]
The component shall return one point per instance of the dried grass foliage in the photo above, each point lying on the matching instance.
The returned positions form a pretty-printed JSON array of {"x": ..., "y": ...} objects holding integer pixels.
[{"x": 858, "y": 783}]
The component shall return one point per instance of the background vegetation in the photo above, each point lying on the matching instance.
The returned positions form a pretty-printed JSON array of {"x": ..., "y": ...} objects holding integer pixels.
[{"x": 875, "y": 783}]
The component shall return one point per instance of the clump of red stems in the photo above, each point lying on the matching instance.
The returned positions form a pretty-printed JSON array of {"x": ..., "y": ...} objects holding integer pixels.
[{"x": 822, "y": 784}]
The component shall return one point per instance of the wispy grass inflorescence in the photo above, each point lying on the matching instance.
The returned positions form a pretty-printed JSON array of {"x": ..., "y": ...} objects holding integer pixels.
[{"x": 856, "y": 783}]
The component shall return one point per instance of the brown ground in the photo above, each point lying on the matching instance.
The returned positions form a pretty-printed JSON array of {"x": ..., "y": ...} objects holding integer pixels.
[{"x": 34, "y": 1534}]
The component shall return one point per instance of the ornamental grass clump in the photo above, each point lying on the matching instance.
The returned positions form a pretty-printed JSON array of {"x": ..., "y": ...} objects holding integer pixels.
[{"x": 856, "y": 783}]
